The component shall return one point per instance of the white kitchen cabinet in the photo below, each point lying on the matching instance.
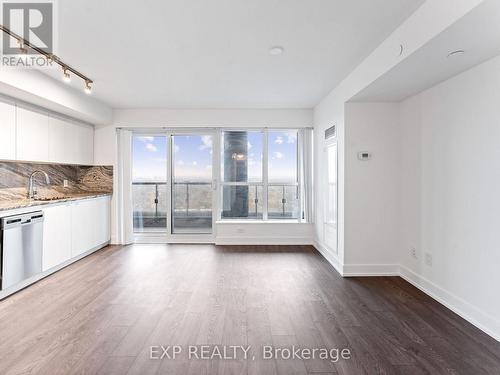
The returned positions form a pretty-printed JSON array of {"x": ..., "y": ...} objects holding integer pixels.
[
  {"x": 32, "y": 138},
  {"x": 31, "y": 135},
  {"x": 60, "y": 145},
  {"x": 83, "y": 144},
  {"x": 56, "y": 235},
  {"x": 82, "y": 226},
  {"x": 90, "y": 223},
  {"x": 102, "y": 227},
  {"x": 70, "y": 143},
  {"x": 7, "y": 131}
]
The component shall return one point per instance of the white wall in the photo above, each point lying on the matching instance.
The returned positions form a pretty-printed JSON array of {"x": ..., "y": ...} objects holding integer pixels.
[
  {"x": 450, "y": 184},
  {"x": 105, "y": 146},
  {"x": 436, "y": 16},
  {"x": 371, "y": 188}
]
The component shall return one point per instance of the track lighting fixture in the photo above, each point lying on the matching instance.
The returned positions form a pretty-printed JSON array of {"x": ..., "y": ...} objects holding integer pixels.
[
  {"x": 25, "y": 45},
  {"x": 66, "y": 76},
  {"x": 88, "y": 87},
  {"x": 22, "y": 46}
]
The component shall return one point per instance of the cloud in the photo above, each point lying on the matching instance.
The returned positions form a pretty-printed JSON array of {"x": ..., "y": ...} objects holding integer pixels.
[
  {"x": 291, "y": 137},
  {"x": 249, "y": 145},
  {"x": 278, "y": 140},
  {"x": 176, "y": 148},
  {"x": 146, "y": 138},
  {"x": 278, "y": 155},
  {"x": 180, "y": 162},
  {"x": 195, "y": 162},
  {"x": 206, "y": 142},
  {"x": 151, "y": 147}
]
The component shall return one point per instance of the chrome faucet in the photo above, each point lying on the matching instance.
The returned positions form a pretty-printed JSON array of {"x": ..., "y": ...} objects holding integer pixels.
[{"x": 31, "y": 191}]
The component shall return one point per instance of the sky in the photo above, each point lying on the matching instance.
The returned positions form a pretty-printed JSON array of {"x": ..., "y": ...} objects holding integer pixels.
[{"x": 192, "y": 157}]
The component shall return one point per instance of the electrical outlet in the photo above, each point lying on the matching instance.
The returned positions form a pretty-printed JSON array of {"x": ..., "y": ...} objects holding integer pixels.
[
  {"x": 413, "y": 252},
  {"x": 65, "y": 183},
  {"x": 428, "y": 259}
]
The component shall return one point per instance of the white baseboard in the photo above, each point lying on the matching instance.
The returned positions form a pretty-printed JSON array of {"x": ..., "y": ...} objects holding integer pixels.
[
  {"x": 164, "y": 239},
  {"x": 330, "y": 256},
  {"x": 352, "y": 270},
  {"x": 263, "y": 241},
  {"x": 472, "y": 314}
]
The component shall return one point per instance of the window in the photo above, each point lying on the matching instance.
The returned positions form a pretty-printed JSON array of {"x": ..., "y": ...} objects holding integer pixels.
[
  {"x": 331, "y": 210},
  {"x": 259, "y": 174},
  {"x": 283, "y": 187},
  {"x": 330, "y": 221},
  {"x": 149, "y": 183},
  {"x": 241, "y": 174}
]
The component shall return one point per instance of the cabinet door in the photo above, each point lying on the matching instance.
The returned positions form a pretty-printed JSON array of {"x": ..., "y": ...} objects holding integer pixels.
[
  {"x": 102, "y": 219},
  {"x": 32, "y": 135},
  {"x": 7, "y": 131},
  {"x": 60, "y": 145},
  {"x": 56, "y": 236},
  {"x": 82, "y": 227},
  {"x": 83, "y": 144}
]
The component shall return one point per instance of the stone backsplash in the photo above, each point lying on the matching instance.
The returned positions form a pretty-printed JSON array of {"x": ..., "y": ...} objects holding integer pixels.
[{"x": 14, "y": 178}]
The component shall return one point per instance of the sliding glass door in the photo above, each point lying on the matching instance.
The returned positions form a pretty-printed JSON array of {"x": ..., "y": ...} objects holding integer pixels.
[
  {"x": 192, "y": 192},
  {"x": 172, "y": 183},
  {"x": 149, "y": 183}
]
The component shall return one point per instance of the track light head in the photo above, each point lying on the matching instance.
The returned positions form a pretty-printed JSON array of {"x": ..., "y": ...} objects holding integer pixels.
[
  {"x": 88, "y": 87},
  {"x": 66, "y": 75},
  {"x": 22, "y": 46}
]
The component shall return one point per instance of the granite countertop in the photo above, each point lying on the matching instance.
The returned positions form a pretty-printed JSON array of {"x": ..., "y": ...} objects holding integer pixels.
[{"x": 15, "y": 203}]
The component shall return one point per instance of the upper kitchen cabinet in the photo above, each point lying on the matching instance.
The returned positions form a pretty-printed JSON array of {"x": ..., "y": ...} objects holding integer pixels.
[
  {"x": 84, "y": 144},
  {"x": 32, "y": 135},
  {"x": 60, "y": 147},
  {"x": 70, "y": 142},
  {"x": 7, "y": 131},
  {"x": 35, "y": 135}
]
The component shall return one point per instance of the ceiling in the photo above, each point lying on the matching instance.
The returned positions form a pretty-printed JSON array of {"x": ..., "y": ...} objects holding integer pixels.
[
  {"x": 215, "y": 54},
  {"x": 477, "y": 34}
]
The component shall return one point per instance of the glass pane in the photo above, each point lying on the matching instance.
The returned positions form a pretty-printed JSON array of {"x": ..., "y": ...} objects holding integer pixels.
[
  {"x": 242, "y": 156},
  {"x": 192, "y": 184},
  {"x": 149, "y": 178},
  {"x": 283, "y": 202},
  {"x": 283, "y": 152},
  {"x": 331, "y": 212},
  {"x": 242, "y": 202}
]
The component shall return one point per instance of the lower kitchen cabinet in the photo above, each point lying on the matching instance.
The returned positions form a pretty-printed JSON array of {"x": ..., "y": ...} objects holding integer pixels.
[
  {"x": 56, "y": 236},
  {"x": 74, "y": 228},
  {"x": 89, "y": 224}
]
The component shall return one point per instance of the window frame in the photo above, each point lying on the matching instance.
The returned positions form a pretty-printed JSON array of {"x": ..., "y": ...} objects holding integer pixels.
[
  {"x": 329, "y": 226},
  {"x": 265, "y": 177}
]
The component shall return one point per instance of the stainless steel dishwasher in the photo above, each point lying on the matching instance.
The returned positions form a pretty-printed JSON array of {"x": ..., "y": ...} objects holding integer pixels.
[{"x": 21, "y": 247}]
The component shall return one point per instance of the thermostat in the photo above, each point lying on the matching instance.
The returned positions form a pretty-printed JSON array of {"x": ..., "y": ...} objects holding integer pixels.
[{"x": 364, "y": 155}]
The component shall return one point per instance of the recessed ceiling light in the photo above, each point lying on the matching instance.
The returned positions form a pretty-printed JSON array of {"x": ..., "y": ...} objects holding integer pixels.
[
  {"x": 276, "y": 50},
  {"x": 458, "y": 52}
]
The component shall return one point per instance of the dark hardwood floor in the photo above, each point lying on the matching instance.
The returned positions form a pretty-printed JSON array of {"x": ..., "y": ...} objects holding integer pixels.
[{"x": 103, "y": 314}]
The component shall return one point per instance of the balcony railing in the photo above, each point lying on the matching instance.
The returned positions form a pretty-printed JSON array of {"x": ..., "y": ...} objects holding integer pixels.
[{"x": 193, "y": 201}]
